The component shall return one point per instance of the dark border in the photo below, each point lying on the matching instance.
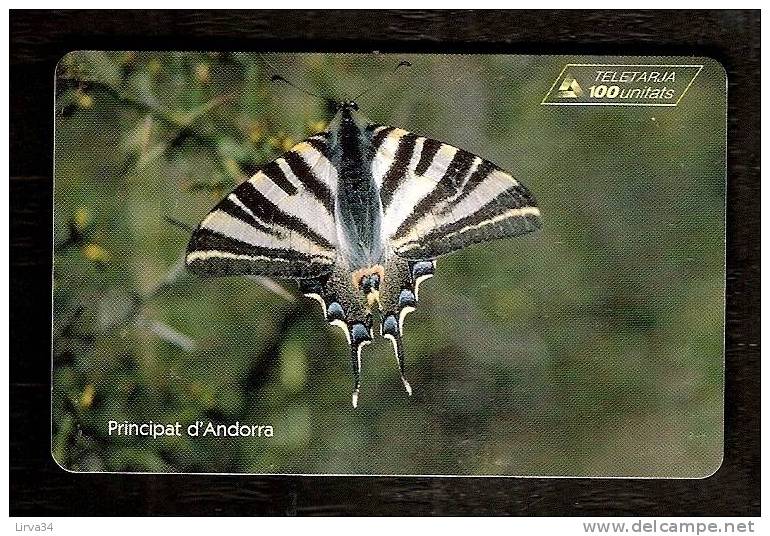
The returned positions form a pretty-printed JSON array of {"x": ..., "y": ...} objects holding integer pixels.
[{"x": 39, "y": 38}]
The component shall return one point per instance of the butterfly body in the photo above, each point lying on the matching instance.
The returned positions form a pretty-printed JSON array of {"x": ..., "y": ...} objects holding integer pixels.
[
  {"x": 358, "y": 214},
  {"x": 358, "y": 206}
]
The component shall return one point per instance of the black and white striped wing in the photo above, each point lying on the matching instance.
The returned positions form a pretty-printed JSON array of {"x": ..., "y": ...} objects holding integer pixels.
[
  {"x": 437, "y": 198},
  {"x": 280, "y": 222}
]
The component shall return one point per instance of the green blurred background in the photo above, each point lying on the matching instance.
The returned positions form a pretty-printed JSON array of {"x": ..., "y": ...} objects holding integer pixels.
[{"x": 593, "y": 348}]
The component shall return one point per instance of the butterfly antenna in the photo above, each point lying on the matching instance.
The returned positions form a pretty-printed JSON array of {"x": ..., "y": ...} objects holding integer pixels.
[
  {"x": 386, "y": 77},
  {"x": 176, "y": 223},
  {"x": 279, "y": 78}
]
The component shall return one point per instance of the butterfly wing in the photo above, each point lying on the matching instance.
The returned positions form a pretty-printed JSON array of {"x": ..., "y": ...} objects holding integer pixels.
[
  {"x": 437, "y": 198},
  {"x": 278, "y": 223}
]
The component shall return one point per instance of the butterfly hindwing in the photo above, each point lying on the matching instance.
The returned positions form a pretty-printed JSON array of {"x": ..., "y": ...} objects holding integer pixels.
[
  {"x": 280, "y": 222},
  {"x": 398, "y": 297},
  {"x": 344, "y": 308},
  {"x": 437, "y": 198}
]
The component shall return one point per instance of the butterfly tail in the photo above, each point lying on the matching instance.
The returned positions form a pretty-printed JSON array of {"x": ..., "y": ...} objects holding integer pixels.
[
  {"x": 360, "y": 336},
  {"x": 398, "y": 299},
  {"x": 390, "y": 330},
  {"x": 343, "y": 309}
]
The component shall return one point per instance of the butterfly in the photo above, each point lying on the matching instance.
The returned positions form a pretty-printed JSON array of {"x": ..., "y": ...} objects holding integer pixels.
[{"x": 358, "y": 214}]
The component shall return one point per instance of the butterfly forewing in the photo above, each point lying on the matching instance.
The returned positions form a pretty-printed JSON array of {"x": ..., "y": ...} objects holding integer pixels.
[
  {"x": 437, "y": 198},
  {"x": 280, "y": 222}
]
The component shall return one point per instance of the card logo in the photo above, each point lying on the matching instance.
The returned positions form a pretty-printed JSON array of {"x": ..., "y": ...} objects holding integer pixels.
[
  {"x": 570, "y": 89},
  {"x": 584, "y": 84}
]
